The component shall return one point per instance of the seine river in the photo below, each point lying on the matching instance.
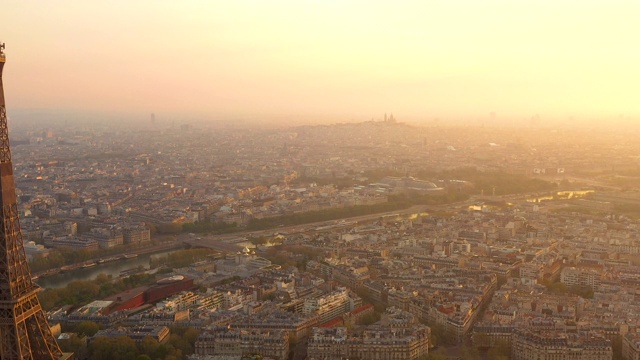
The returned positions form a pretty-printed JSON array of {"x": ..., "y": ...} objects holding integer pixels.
[{"x": 111, "y": 268}]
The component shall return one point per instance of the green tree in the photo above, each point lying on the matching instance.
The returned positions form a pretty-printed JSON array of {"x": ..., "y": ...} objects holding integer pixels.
[
  {"x": 369, "y": 319},
  {"x": 501, "y": 350},
  {"x": 557, "y": 288},
  {"x": 179, "y": 344},
  {"x": 169, "y": 228},
  {"x": 120, "y": 348},
  {"x": 82, "y": 292},
  {"x": 183, "y": 339},
  {"x": 260, "y": 240},
  {"x": 439, "y": 336},
  {"x": 152, "y": 228},
  {"x": 182, "y": 258},
  {"x": 436, "y": 355},
  {"x": 149, "y": 345},
  {"x": 469, "y": 353},
  {"x": 583, "y": 291},
  {"x": 74, "y": 344},
  {"x": 86, "y": 328}
]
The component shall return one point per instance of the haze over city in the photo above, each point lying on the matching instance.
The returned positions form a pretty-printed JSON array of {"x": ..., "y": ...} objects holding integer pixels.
[
  {"x": 324, "y": 61},
  {"x": 319, "y": 180}
]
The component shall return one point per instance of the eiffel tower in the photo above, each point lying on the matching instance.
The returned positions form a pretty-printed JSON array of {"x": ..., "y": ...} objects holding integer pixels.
[{"x": 24, "y": 330}]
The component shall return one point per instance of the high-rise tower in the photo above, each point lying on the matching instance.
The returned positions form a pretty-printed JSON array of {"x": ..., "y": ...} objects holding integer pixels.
[{"x": 24, "y": 330}]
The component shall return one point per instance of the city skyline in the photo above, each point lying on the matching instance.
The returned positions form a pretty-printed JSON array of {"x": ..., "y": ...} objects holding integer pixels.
[
  {"x": 200, "y": 180},
  {"x": 329, "y": 61}
]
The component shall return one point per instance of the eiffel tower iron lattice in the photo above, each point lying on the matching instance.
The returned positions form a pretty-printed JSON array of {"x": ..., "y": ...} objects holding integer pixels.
[{"x": 24, "y": 329}]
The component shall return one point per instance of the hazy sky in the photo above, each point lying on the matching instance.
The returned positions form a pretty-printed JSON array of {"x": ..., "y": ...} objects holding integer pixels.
[{"x": 336, "y": 58}]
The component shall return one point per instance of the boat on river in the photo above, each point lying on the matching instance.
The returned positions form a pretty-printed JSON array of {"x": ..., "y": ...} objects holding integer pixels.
[
  {"x": 106, "y": 260},
  {"x": 130, "y": 271},
  {"x": 170, "y": 280}
]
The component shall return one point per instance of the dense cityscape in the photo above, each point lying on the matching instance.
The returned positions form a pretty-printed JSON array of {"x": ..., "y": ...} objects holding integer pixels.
[
  {"x": 319, "y": 180},
  {"x": 334, "y": 241}
]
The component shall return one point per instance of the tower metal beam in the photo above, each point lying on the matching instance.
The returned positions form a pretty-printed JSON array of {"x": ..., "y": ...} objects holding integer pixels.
[{"x": 24, "y": 329}]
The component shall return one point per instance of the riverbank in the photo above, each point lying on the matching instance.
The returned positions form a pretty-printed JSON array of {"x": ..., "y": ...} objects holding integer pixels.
[
  {"x": 116, "y": 260},
  {"x": 115, "y": 269}
]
